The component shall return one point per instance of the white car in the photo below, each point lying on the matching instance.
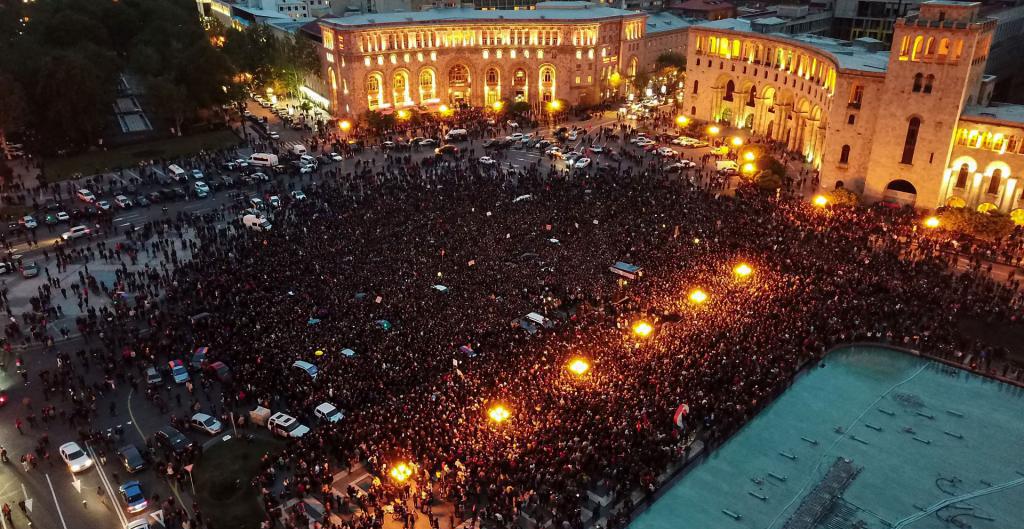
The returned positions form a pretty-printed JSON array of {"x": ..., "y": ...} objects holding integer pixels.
[
  {"x": 335, "y": 157},
  {"x": 554, "y": 151},
  {"x": 582, "y": 163},
  {"x": 596, "y": 149},
  {"x": 122, "y": 202},
  {"x": 141, "y": 523},
  {"x": 75, "y": 232},
  {"x": 275, "y": 201},
  {"x": 274, "y": 135},
  {"x": 515, "y": 137},
  {"x": 573, "y": 135},
  {"x": 665, "y": 151},
  {"x": 298, "y": 195},
  {"x": 306, "y": 169},
  {"x": 197, "y": 174},
  {"x": 285, "y": 425},
  {"x": 104, "y": 205},
  {"x": 29, "y": 222},
  {"x": 202, "y": 190},
  {"x": 327, "y": 412},
  {"x": 76, "y": 458},
  {"x": 86, "y": 196},
  {"x": 63, "y": 216},
  {"x": 487, "y": 160},
  {"x": 206, "y": 423}
]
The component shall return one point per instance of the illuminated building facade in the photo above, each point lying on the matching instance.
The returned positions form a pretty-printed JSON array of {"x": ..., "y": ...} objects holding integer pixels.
[
  {"x": 575, "y": 52},
  {"x": 910, "y": 125}
]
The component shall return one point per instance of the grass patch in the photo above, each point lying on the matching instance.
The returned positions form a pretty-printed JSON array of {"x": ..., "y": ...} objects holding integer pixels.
[
  {"x": 90, "y": 163},
  {"x": 223, "y": 479}
]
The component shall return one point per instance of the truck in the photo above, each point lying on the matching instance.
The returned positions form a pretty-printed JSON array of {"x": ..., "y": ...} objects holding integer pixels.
[{"x": 256, "y": 223}]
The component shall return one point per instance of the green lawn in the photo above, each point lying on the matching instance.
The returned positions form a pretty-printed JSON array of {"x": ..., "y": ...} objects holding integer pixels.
[
  {"x": 90, "y": 163},
  {"x": 222, "y": 478}
]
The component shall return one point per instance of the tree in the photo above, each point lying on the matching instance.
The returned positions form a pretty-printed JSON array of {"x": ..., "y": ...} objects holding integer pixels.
[
  {"x": 12, "y": 105},
  {"x": 843, "y": 197},
  {"x": 72, "y": 99},
  {"x": 671, "y": 59},
  {"x": 519, "y": 107},
  {"x": 768, "y": 180},
  {"x": 639, "y": 81},
  {"x": 169, "y": 102},
  {"x": 990, "y": 226}
]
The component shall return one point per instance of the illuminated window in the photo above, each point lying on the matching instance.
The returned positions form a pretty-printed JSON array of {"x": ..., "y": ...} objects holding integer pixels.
[
  {"x": 995, "y": 182},
  {"x": 458, "y": 75},
  {"x": 329, "y": 39},
  {"x": 910, "y": 144}
]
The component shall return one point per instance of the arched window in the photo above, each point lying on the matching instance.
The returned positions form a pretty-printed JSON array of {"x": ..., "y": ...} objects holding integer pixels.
[
  {"x": 695, "y": 85},
  {"x": 547, "y": 76},
  {"x": 730, "y": 87},
  {"x": 844, "y": 155},
  {"x": 400, "y": 88},
  {"x": 427, "y": 86},
  {"x": 944, "y": 47},
  {"x": 751, "y": 95},
  {"x": 995, "y": 182},
  {"x": 929, "y": 48},
  {"x": 961, "y": 177},
  {"x": 458, "y": 75},
  {"x": 918, "y": 79},
  {"x": 492, "y": 77},
  {"x": 918, "y": 48},
  {"x": 928, "y": 83},
  {"x": 913, "y": 127}
]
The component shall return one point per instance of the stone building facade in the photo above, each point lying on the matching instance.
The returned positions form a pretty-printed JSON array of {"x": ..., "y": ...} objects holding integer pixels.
[
  {"x": 905, "y": 125},
  {"x": 575, "y": 52}
]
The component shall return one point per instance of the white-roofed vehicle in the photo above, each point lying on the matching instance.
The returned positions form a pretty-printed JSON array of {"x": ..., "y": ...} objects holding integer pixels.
[
  {"x": 76, "y": 458},
  {"x": 285, "y": 425},
  {"x": 206, "y": 423},
  {"x": 327, "y": 412}
]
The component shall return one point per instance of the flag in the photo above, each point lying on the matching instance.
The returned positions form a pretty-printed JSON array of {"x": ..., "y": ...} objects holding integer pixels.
[{"x": 680, "y": 416}]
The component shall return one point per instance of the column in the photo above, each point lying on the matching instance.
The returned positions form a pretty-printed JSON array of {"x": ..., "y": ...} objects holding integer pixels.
[{"x": 1006, "y": 199}]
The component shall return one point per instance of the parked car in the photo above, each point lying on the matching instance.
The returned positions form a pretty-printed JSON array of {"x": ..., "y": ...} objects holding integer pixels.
[
  {"x": 206, "y": 423},
  {"x": 122, "y": 202},
  {"x": 141, "y": 201},
  {"x": 298, "y": 195},
  {"x": 62, "y": 216},
  {"x": 285, "y": 425},
  {"x": 86, "y": 196},
  {"x": 153, "y": 376},
  {"x": 178, "y": 371},
  {"x": 103, "y": 205},
  {"x": 29, "y": 222},
  {"x": 220, "y": 370},
  {"x": 29, "y": 270},
  {"x": 327, "y": 412}
]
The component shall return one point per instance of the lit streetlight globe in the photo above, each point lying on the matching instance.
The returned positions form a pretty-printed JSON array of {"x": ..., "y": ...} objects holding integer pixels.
[
  {"x": 642, "y": 328},
  {"x": 932, "y": 222},
  {"x": 698, "y": 296},
  {"x": 579, "y": 366},
  {"x": 743, "y": 270},
  {"x": 498, "y": 413}
]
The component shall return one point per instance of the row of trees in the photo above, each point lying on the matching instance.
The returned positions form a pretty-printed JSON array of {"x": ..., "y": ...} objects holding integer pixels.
[{"x": 60, "y": 61}]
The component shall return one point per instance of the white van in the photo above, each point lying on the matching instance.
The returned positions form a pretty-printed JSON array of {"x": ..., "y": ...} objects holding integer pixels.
[
  {"x": 457, "y": 135},
  {"x": 309, "y": 368},
  {"x": 256, "y": 223},
  {"x": 263, "y": 159},
  {"x": 286, "y": 426},
  {"x": 727, "y": 167},
  {"x": 298, "y": 149},
  {"x": 177, "y": 173}
]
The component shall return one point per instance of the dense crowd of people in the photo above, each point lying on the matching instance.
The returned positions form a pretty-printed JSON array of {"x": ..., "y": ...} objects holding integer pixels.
[{"x": 356, "y": 267}]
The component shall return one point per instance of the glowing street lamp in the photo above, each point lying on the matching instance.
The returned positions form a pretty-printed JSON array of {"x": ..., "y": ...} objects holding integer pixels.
[
  {"x": 345, "y": 125},
  {"x": 444, "y": 110},
  {"x": 748, "y": 168},
  {"x": 714, "y": 130},
  {"x": 698, "y": 296},
  {"x": 682, "y": 121},
  {"x": 401, "y": 472},
  {"x": 932, "y": 222},
  {"x": 403, "y": 114},
  {"x": 499, "y": 413},
  {"x": 642, "y": 328},
  {"x": 579, "y": 366},
  {"x": 737, "y": 141},
  {"x": 555, "y": 106},
  {"x": 749, "y": 156},
  {"x": 742, "y": 270},
  {"x": 820, "y": 201},
  {"x": 497, "y": 106}
]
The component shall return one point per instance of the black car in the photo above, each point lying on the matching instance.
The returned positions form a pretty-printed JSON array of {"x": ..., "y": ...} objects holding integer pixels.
[
  {"x": 172, "y": 439},
  {"x": 154, "y": 197},
  {"x": 180, "y": 193},
  {"x": 131, "y": 458},
  {"x": 166, "y": 193},
  {"x": 141, "y": 201}
]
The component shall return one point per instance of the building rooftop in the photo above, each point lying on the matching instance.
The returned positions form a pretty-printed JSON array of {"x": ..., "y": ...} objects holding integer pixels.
[
  {"x": 1006, "y": 112},
  {"x": 702, "y": 5},
  {"x": 665, "y": 21},
  {"x": 770, "y": 21},
  {"x": 546, "y": 11},
  {"x": 848, "y": 55}
]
